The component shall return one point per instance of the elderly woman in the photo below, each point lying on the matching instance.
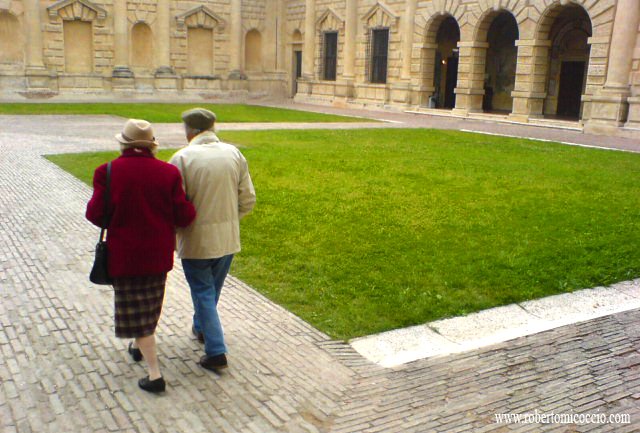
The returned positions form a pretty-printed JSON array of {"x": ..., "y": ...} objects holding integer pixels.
[{"x": 146, "y": 204}]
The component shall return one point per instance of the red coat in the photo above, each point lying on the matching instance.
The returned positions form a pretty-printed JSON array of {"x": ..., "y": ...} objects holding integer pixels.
[{"x": 147, "y": 203}]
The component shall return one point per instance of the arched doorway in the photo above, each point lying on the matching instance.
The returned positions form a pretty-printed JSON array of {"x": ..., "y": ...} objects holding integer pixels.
[
  {"x": 445, "y": 75},
  {"x": 570, "y": 29},
  {"x": 501, "y": 61}
]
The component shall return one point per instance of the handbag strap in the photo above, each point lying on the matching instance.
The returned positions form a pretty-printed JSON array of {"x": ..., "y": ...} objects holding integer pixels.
[{"x": 105, "y": 216}]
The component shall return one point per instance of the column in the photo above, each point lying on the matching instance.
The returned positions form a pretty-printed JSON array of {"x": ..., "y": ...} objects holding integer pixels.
[
  {"x": 350, "y": 37},
  {"x": 471, "y": 67},
  {"x": 33, "y": 37},
  {"x": 38, "y": 78},
  {"x": 623, "y": 41},
  {"x": 269, "y": 41},
  {"x": 235, "y": 40},
  {"x": 163, "y": 38},
  {"x": 529, "y": 92},
  {"x": 407, "y": 39},
  {"x": 121, "y": 40},
  {"x": 308, "y": 53},
  {"x": 610, "y": 107},
  {"x": 281, "y": 38}
]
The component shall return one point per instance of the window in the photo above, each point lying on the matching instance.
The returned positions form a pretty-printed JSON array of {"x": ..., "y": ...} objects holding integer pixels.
[
  {"x": 380, "y": 45},
  {"x": 330, "y": 55}
]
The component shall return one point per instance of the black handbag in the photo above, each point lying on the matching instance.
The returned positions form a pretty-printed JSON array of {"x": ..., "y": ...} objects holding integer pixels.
[{"x": 100, "y": 271}]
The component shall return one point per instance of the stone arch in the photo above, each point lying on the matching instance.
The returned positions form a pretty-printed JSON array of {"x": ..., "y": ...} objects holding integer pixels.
[
  {"x": 567, "y": 29},
  {"x": 440, "y": 59},
  {"x": 142, "y": 47},
  {"x": 549, "y": 15},
  {"x": 296, "y": 36},
  {"x": 253, "y": 51},
  {"x": 487, "y": 18},
  {"x": 11, "y": 41},
  {"x": 499, "y": 30}
]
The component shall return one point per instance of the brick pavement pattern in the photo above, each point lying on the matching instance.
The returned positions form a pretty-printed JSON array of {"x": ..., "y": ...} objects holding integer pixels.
[{"x": 62, "y": 369}]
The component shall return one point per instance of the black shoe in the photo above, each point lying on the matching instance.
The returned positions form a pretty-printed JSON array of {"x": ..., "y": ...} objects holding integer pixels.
[
  {"x": 199, "y": 335},
  {"x": 135, "y": 353},
  {"x": 154, "y": 386},
  {"x": 214, "y": 362}
]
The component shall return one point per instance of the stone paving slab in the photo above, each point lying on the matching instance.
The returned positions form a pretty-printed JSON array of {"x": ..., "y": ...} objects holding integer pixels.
[
  {"x": 496, "y": 325},
  {"x": 62, "y": 370}
]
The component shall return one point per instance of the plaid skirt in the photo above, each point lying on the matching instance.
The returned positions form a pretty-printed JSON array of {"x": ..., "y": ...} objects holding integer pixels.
[{"x": 138, "y": 304}]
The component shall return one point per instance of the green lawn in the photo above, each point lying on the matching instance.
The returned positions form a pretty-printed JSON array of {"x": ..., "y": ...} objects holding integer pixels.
[
  {"x": 363, "y": 231},
  {"x": 170, "y": 113}
]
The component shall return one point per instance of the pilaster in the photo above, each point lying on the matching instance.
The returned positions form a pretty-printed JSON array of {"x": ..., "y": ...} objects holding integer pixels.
[
  {"x": 609, "y": 107},
  {"x": 38, "y": 78},
  {"x": 122, "y": 74},
  {"x": 235, "y": 41},
  {"x": 470, "y": 88},
  {"x": 531, "y": 74},
  {"x": 308, "y": 53}
]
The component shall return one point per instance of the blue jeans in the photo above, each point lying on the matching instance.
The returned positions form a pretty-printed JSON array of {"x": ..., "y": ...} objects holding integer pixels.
[{"x": 206, "y": 278}]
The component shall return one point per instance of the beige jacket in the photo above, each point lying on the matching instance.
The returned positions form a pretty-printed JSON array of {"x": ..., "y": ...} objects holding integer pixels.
[{"x": 217, "y": 181}]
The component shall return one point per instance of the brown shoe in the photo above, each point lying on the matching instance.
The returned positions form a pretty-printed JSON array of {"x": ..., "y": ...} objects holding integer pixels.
[
  {"x": 199, "y": 335},
  {"x": 214, "y": 362}
]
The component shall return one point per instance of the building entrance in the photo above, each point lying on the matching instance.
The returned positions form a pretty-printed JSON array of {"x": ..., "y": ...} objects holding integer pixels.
[
  {"x": 570, "y": 94},
  {"x": 445, "y": 73},
  {"x": 568, "y": 59},
  {"x": 297, "y": 70}
]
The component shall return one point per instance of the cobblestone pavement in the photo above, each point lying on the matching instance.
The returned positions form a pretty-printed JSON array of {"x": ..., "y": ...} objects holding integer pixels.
[{"x": 62, "y": 370}]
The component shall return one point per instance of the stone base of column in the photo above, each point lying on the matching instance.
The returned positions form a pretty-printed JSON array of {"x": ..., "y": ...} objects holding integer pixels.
[
  {"x": 123, "y": 85},
  {"x": 401, "y": 93},
  {"x": 40, "y": 83},
  {"x": 633, "y": 120},
  {"x": 606, "y": 113},
  {"x": 122, "y": 72},
  {"x": 349, "y": 89},
  {"x": 468, "y": 101},
  {"x": 527, "y": 105},
  {"x": 237, "y": 83},
  {"x": 305, "y": 87},
  {"x": 237, "y": 75},
  {"x": 166, "y": 83},
  {"x": 165, "y": 79},
  {"x": 165, "y": 71}
]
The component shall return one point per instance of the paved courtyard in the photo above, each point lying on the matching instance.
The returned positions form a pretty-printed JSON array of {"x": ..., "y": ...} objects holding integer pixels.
[{"x": 62, "y": 369}]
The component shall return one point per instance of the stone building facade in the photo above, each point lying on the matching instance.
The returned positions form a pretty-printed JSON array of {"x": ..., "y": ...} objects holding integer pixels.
[{"x": 524, "y": 60}]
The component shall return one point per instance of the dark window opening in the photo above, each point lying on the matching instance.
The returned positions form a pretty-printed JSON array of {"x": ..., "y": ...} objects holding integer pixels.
[
  {"x": 379, "y": 52},
  {"x": 330, "y": 55}
]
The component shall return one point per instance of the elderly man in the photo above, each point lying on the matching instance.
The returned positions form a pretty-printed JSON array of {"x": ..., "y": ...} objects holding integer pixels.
[{"x": 217, "y": 181}]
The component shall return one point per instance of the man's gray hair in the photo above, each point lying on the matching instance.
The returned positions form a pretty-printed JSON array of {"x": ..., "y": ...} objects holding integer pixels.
[{"x": 192, "y": 131}]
